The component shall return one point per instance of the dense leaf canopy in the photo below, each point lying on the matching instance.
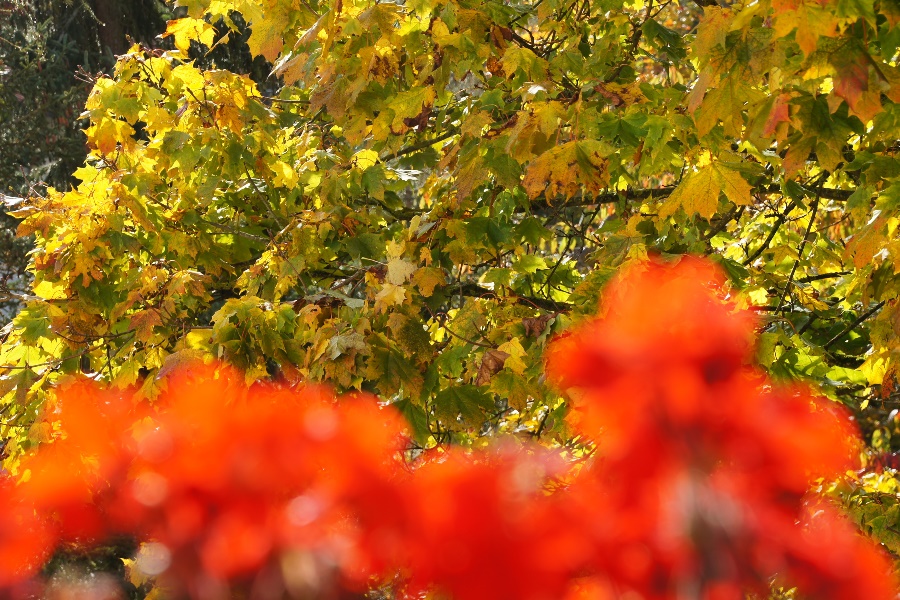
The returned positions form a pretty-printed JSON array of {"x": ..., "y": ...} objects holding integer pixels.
[{"x": 422, "y": 194}]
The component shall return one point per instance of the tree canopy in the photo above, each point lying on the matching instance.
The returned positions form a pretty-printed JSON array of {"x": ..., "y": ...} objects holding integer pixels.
[
  {"x": 44, "y": 45},
  {"x": 422, "y": 194}
]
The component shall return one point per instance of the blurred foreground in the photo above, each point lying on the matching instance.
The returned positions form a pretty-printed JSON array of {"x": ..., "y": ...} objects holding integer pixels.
[{"x": 698, "y": 488}]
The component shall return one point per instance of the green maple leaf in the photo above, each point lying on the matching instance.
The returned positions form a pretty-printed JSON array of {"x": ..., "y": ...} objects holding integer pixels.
[
  {"x": 467, "y": 405},
  {"x": 409, "y": 104},
  {"x": 391, "y": 369}
]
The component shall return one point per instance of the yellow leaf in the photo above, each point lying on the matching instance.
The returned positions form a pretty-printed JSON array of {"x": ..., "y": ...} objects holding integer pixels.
[
  {"x": 565, "y": 169},
  {"x": 198, "y": 339},
  {"x": 867, "y": 242},
  {"x": 698, "y": 193},
  {"x": 50, "y": 291},
  {"x": 106, "y": 133},
  {"x": 811, "y": 23},
  {"x": 473, "y": 125},
  {"x": 187, "y": 29},
  {"x": 516, "y": 57},
  {"x": 808, "y": 300},
  {"x": 390, "y": 295},
  {"x": 427, "y": 278},
  {"x": 365, "y": 159},
  {"x": 127, "y": 374},
  {"x": 759, "y": 296},
  {"x": 710, "y": 40},
  {"x": 514, "y": 361},
  {"x": 265, "y": 35},
  {"x": 399, "y": 270},
  {"x": 409, "y": 104},
  {"x": 285, "y": 176},
  {"x": 734, "y": 186}
]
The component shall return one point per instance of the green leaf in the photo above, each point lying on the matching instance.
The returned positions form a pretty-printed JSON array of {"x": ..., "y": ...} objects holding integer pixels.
[
  {"x": 464, "y": 406},
  {"x": 529, "y": 263},
  {"x": 391, "y": 369}
]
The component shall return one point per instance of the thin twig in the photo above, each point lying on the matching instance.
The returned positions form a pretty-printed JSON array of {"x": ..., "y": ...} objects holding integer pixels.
[
  {"x": 852, "y": 325},
  {"x": 781, "y": 219},
  {"x": 790, "y": 281},
  {"x": 421, "y": 145}
]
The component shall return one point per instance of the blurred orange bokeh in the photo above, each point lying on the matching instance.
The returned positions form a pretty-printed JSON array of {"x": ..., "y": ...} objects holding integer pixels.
[{"x": 699, "y": 489}]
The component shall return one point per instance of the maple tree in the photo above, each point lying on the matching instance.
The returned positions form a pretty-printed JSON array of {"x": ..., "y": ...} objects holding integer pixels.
[
  {"x": 423, "y": 194},
  {"x": 265, "y": 491}
]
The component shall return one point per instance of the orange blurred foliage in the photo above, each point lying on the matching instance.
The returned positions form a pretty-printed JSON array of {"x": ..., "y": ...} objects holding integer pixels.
[{"x": 699, "y": 491}]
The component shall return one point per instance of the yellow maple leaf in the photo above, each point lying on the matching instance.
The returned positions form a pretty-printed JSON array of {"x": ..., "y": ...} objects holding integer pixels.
[
  {"x": 266, "y": 33},
  {"x": 106, "y": 133},
  {"x": 390, "y": 295},
  {"x": 867, "y": 242},
  {"x": 409, "y": 104},
  {"x": 565, "y": 169},
  {"x": 515, "y": 351},
  {"x": 285, "y": 176},
  {"x": 364, "y": 159},
  {"x": 399, "y": 271},
  {"x": 427, "y": 278},
  {"x": 734, "y": 186},
  {"x": 698, "y": 193},
  {"x": 516, "y": 57},
  {"x": 187, "y": 29}
]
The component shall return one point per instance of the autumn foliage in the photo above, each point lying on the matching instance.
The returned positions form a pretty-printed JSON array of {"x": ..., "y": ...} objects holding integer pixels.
[{"x": 698, "y": 486}]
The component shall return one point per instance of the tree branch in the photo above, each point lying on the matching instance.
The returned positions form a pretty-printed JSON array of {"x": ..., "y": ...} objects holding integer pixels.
[
  {"x": 790, "y": 281},
  {"x": 853, "y": 325},
  {"x": 421, "y": 145},
  {"x": 781, "y": 219},
  {"x": 473, "y": 290}
]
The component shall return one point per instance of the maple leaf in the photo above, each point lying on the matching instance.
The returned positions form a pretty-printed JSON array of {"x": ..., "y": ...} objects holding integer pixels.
[
  {"x": 428, "y": 278},
  {"x": 566, "y": 169},
  {"x": 187, "y": 29},
  {"x": 517, "y": 57},
  {"x": 867, "y": 242},
  {"x": 410, "y": 334},
  {"x": 515, "y": 353},
  {"x": 515, "y": 388},
  {"x": 535, "y": 326},
  {"x": 779, "y": 114},
  {"x": 733, "y": 185},
  {"x": 710, "y": 39},
  {"x": 699, "y": 192},
  {"x": 399, "y": 271},
  {"x": 726, "y": 102},
  {"x": 389, "y": 295},
  {"x": 852, "y": 83},
  {"x": 409, "y": 104},
  {"x": 266, "y": 34},
  {"x": 107, "y": 133},
  {"x": 143, "y": 322},
  {"x": 809, "y": 22},
  {"x": 467, "y": 404},
  {"x": 391, "y": 369}
]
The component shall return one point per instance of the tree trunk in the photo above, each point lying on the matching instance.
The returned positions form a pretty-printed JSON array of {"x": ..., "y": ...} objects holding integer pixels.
[{"x": 112, "y": 30}]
